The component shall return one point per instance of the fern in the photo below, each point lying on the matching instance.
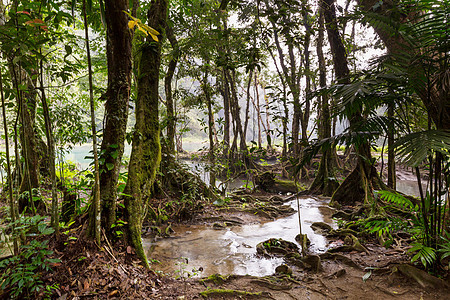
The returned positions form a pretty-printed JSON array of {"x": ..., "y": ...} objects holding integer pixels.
[
  {"x": 427, "y": 255},
  {"x": 397, "y": 199}
]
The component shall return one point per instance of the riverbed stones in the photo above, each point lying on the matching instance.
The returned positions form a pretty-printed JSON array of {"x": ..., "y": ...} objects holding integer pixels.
[
  {"x": 321, "y": 227},
  {"x": 276, "y": 247},
  {"x": 283, "y": 269}
]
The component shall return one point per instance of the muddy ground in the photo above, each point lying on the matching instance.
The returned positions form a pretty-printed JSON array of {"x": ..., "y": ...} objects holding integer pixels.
[
  {"x": 87, "y": 271},
  {"x": 376, "y": 274}
]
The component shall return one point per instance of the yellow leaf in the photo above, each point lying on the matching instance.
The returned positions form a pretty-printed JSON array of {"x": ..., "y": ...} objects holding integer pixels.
[
  {"x": 154, "y": 37},
  {"x": 131, "y": 24},
  {"x": 139, "y": 28},
  {"x": 150, "y": 30}
]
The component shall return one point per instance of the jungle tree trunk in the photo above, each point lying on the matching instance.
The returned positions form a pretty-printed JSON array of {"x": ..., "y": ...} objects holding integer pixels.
[
  {"x": 26, "y": 110},
  {"x": 95, "y": 220},
  {"x": 235, "y": 112},
  {"x": 146, "y": 150},
  {"x": 360, "y": 183},
  {"x": 51, "y": 153},
  {"x": 258, "y": 110},
  {"x": 171, "y": 118},
  {"x": 226, "y": 112},
  {"x": 292, "y": 78},
  {"x": 206, "y": 91},
  {"x": 247, "y": 107},
  {"x": 392, "y": 180},
  {"x": 306, "y": 111},
  {"x": 118, "y": 53},
  {"x": 12, "y": 205},
  {"x": 324, "y": 182}
]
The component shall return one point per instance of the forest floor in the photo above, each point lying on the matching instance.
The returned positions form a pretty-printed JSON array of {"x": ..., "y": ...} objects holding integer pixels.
[
  {"x": 87, "y": 271},
  {"x": 114, "y": 272}
]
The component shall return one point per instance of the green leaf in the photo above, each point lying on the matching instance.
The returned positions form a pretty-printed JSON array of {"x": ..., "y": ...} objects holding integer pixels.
[
  {"x": 109, "y": 166},
  {"x": 367, "y": 276}
]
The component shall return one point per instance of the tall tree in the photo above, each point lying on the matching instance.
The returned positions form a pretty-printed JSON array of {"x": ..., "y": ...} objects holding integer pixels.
[
  {"x": 146, "y": 147},
  {"x": 360, "y": 183},
  {"x": 324, "y": 182},
  {"x": 118, "y": 53}
]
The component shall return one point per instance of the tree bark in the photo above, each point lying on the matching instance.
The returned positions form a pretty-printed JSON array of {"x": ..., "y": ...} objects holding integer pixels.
[
  {"x": 95, "y": 221},
  {"x": 171, "y": 119},
  {"x": 118, "y": 53},
  {"x": 325, "y": 182},
  {"x": 146, "y": 151},
  {"x": 392, "y": 179},
  {"x": 359, "y": 185}
]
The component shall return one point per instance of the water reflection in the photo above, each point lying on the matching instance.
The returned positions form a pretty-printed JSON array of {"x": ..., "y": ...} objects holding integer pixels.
[{"x": 232, "y": 251}]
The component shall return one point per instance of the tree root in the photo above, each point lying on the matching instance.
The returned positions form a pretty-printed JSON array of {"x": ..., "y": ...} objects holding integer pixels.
[
  {"x": 235, "y": 293},
  {"x": 424, "y": 279}
]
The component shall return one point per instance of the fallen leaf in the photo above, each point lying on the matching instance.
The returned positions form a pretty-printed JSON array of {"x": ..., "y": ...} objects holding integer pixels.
[
  {"x": 129, "y": 250},
  {"x": 86, "y": 285},
  {"x": 113, "y": 293}
]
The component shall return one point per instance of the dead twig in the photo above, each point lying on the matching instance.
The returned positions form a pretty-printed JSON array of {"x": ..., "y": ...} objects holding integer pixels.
[{"x": 111, "y": 253}]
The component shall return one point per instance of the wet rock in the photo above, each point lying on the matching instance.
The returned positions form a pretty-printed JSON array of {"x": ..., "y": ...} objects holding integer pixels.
[
  {"x": 299, "y": 239},
  {"x": 276, "y": 247},
  {"x": 321, "y": 227},
  {"x": 312, "y": 262},
  {"x": 283, "y": 269},
  {"x": 342, "y": 215},
  {"x": 219, "y": 226}
]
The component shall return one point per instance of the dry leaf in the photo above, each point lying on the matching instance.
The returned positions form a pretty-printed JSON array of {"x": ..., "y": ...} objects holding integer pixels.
[
  {"x": 113, "y": 293},
  {"x": 86, "y": 285}
]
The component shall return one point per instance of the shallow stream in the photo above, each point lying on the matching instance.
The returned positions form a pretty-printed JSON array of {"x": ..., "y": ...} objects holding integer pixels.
[{"x": 232, "y": 250}]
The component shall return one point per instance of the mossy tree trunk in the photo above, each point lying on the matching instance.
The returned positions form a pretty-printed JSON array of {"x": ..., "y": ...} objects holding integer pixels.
[
  {"x": 359, "y": 185},
  {"x": 118, "y": 53},
  {"x": 324, "y": 182},
  {"x": 146, "y": 150}
]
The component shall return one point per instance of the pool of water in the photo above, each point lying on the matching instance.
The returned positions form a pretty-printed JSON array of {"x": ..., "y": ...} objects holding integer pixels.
[{"x": 233, "y": 250}]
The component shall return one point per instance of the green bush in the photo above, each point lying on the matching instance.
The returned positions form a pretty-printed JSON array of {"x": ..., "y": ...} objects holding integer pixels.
[{"x": 22, "y": 274}]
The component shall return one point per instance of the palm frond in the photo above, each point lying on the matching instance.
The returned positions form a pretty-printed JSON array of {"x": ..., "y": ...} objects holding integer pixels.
[{"x": 415, "y": 147}]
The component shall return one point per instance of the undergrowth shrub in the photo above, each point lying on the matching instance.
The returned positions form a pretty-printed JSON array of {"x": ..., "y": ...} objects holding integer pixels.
[{"x": 21, "y": 274}]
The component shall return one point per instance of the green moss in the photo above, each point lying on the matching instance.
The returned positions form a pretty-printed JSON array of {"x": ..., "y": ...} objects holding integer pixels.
[
  {"x": 220, "y": 292},
  {"x": 216, "y": 278}
]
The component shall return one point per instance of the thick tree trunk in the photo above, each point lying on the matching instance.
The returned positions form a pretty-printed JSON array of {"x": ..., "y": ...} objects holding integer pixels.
[
  {"x": 325, "y": 182},
  {"x": 118, "y": 53},
  {"x": 26, "y": 101},
  {"x": 359, "y": 185},
  {"x": 146, "y": 151}
]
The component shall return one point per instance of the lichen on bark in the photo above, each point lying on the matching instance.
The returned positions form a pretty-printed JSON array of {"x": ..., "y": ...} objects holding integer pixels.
[{"x": 146, "y": 148}]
